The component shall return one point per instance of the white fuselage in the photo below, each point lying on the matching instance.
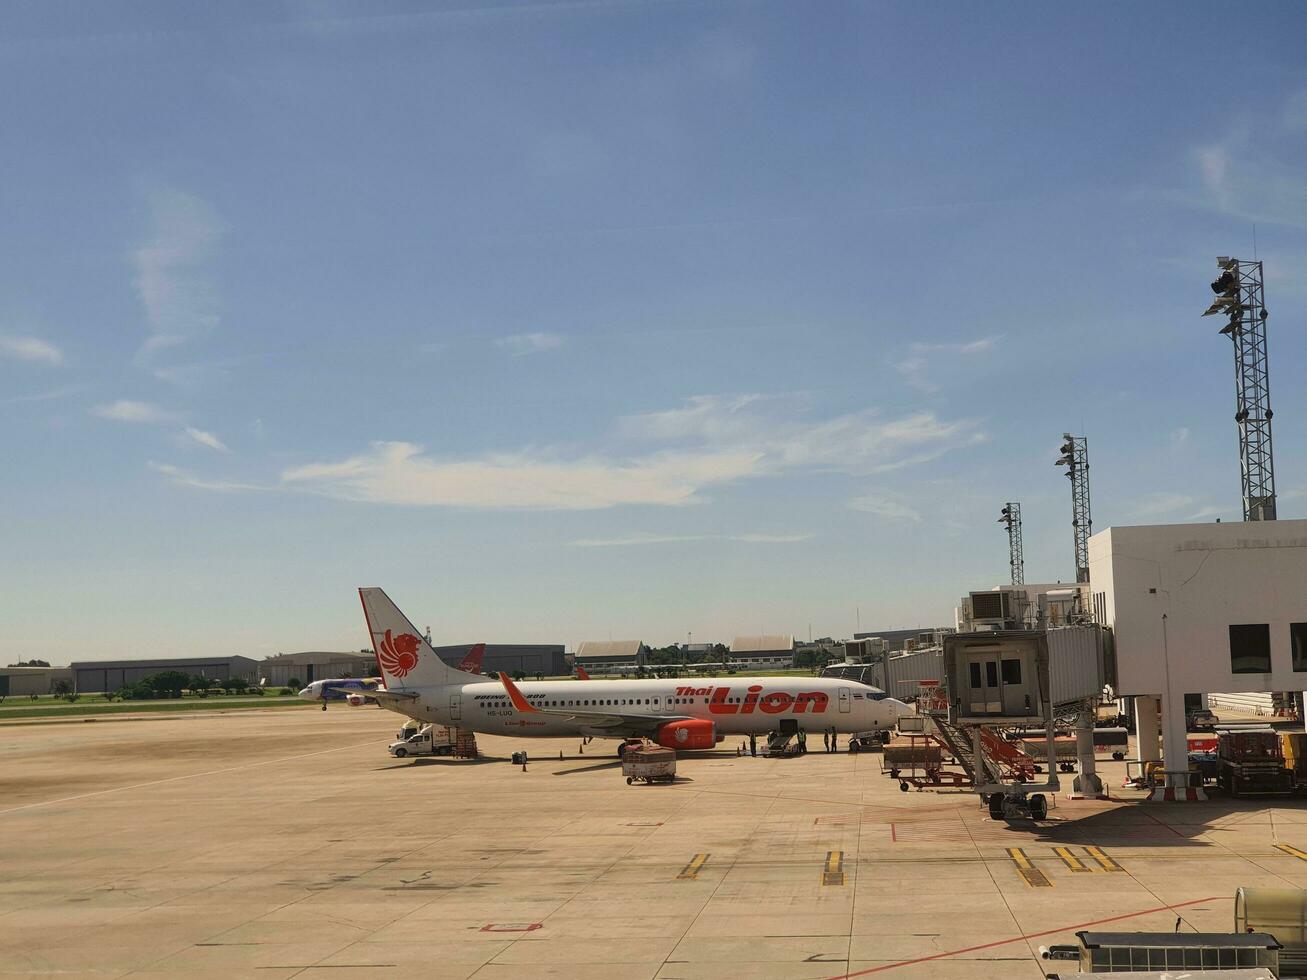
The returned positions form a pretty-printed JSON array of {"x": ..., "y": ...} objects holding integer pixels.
[{"x": 737, "y": 706}]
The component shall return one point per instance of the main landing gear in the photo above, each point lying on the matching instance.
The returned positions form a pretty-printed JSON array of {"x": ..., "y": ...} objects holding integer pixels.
[{"x": 1017, "y": 806}]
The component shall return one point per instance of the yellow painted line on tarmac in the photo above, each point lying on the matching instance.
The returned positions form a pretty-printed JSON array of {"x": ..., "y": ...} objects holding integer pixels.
[
  {"x": 1097, "y": 854},
  {"x": 1031, "y": 875},
  {"x": 691, "y": 870},
  {"x": 1290, "y": 849},
  {"x": 1070, "y": 860},
  {"x": 833, "y": 873}
]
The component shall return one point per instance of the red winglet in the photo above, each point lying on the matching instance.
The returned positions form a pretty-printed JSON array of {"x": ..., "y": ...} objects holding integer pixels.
[{"x": 514, "y": 695}]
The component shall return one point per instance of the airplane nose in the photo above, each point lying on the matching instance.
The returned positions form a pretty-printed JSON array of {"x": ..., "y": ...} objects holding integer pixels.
[{"x": 308, "y": 694}]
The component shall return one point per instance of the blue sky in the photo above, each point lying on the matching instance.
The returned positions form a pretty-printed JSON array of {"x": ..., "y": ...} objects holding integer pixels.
[{"x": 633, "y": 319}]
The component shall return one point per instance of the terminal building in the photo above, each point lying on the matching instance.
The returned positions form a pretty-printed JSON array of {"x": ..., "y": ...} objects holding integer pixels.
[
  {"x": 1197, "y": 609},
  {"x": 611, "y": 656},
  {"x": 532, "y": 659}
]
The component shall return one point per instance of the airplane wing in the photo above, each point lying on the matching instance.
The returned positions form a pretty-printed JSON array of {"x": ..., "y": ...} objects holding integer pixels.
[
  {"x": 381, "y": 695},
  {"x": 592, "y": 719}
]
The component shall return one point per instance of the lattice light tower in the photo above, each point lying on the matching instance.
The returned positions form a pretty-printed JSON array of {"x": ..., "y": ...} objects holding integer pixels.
[
  {"x": 1239, "y": 296},
  {"x": 1011, "y": 516},
  {"x": 1075, "y": 457}
]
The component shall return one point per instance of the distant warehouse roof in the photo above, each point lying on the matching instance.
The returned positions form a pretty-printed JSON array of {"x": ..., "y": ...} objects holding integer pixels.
[
  {"x": 611, "y": 650},
  {"x": 756, "y": 645}
]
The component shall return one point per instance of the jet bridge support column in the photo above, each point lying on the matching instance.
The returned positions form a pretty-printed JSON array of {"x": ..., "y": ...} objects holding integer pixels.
[
  {"x": 1087, "y": 785},
  {"x": 1146, "y": 731}
]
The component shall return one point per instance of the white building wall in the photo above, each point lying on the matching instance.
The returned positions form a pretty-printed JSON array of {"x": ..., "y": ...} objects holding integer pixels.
[{"x": 1203, "y": 578}]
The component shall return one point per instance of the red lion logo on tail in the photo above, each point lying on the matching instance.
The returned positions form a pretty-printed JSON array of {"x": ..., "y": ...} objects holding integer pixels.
[{"x": 399, "y": 654}]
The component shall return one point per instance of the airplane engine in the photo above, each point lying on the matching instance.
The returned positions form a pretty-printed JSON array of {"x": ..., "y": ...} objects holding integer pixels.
[
  {"x": 694, "y": 733},
  {"x": 354, "y": 700}
]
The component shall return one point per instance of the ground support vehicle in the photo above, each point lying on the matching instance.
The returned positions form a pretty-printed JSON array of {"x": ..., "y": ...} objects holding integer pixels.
[
  {"x": 1252, "y": 762},
  {"x": 917, "y": 759},
  {"x": 648, "y": 763},
  {"x": 1294, "y": 745},
  {"x": 1065, "y": 748},
  {"x": 428, "y": 740}
]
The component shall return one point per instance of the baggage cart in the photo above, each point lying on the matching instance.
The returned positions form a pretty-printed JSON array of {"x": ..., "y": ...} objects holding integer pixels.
[{"x": 649, "y": 764}]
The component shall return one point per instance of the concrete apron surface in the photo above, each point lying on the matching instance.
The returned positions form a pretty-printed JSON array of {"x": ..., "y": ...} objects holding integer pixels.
[{"x": 289, "y": 844}]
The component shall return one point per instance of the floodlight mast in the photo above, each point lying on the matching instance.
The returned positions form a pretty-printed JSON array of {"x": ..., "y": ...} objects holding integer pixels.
[
  {"x": 1240, "y": 296},
  {"x": 1011, "y": 516},
  {"x": 1075, "y": 457}
]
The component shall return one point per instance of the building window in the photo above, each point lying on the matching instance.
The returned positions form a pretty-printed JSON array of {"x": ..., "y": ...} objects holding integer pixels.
[
  {"x": 1250, "y": 649},
  {"x": 1298, "y": 640},
  {"x": 1011, "y": 671}
]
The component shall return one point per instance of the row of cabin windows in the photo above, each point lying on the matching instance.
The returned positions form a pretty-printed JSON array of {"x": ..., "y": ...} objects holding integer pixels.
[
  {"x": 617, "y": 702},
  {"x": 1250, "y": 648}
]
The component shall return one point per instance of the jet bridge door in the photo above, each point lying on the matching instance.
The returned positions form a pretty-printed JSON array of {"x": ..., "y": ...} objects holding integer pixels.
[{"x": 983, "y": 677}]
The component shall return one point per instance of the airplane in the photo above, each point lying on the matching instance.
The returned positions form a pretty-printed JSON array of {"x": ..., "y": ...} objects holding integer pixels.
[
  {"x": 681, "y": 714},
  {"x": 355, "y": 692}
]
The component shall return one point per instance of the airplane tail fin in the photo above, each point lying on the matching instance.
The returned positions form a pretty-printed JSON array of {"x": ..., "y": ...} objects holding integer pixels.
[
  {"x": 405, "y": 658},
  {"x": 581, "y": 675},
  {"x": 472, "y": 662}
]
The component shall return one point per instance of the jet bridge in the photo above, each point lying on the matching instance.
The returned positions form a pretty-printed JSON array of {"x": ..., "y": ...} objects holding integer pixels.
[{"x": 1024, "y": 678}]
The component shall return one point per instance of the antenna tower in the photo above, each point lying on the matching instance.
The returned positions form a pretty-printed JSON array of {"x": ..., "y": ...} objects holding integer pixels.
[
  {"x": 1075, "y": 457},
  {"x": 1240, "y": 297},
  {"x": 1011, "y": 516}
]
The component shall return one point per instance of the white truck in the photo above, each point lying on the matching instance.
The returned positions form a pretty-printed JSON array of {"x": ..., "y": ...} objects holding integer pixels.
[{"x": 427, "y": 740}]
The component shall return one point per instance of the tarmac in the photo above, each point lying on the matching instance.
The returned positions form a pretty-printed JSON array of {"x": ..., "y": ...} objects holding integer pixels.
[{"x": 289, "y": 844}]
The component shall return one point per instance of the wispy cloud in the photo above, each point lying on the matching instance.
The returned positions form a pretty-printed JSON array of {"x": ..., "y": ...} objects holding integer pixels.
[
  {"x": 173, "y": 278},
  {"x": 520, "y": 344},
  {"x": 1158, "y": 504},
  {"x": 207, "y": 439},
  {"x": 918, "y": 369},
  {"x": 1179, "y": 438},
  {"x": 125, "y": 410},
  {"x": 184, "y": 478},
  {"x": 31, "y": 349},
  {"x": 1253, "y": 172},
  {"x": 779, "y": 430},
  {"x": 640, "y": 538},
  {"x": 916, "y": 372},
  {"x": 887, "y": 508},
  {"x": 41, "y": 396},
  {"x": 399, "y": 473},
  {"x": 978, "y": 346},
  {"x": 708, "y": 442}
]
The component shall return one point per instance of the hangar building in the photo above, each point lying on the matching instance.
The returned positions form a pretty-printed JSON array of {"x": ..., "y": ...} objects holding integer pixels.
[
  {"x": 611, "y": 656},
  {"x": 313, "y": 665},
  {"x": 775, "y": 650},
  {"x": 545, "y": 659},
  {"x": 109, "y": 675},
  {"x": 26, "y": 681}
]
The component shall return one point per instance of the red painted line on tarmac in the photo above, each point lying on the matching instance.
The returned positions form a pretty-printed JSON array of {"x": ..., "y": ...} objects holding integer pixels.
[
  {"x": 1017, "y": 939},
  {"x": 893, "y": 834}
]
